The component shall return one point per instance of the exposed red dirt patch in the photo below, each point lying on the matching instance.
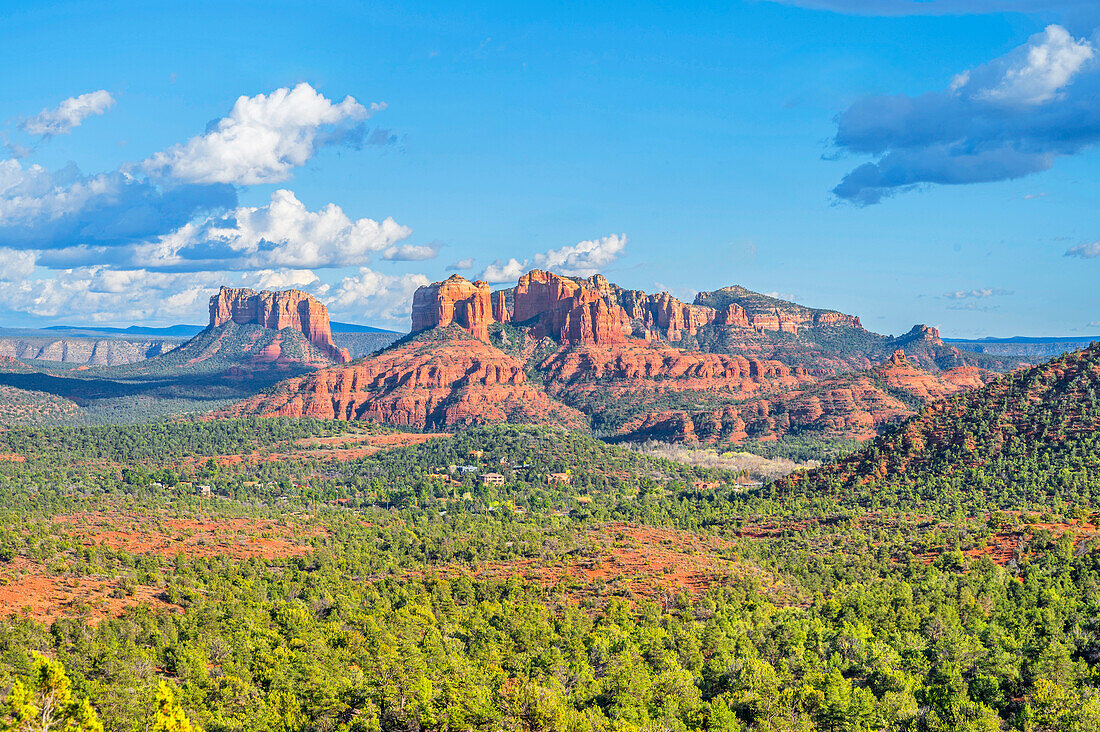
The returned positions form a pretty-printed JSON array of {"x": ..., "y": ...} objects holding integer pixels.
[
  {"x": 240, "y": 538},
  {"x": 339, "y": 448},
  {"x": 634, "y": 561},
  {"x": 29, "y": 590}
]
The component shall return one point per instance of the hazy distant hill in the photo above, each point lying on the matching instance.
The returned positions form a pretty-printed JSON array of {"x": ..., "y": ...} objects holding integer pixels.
[{"x": 1023, "y": 346}]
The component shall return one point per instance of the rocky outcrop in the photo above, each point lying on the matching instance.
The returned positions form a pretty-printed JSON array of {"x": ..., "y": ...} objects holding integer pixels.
[
  {"x": 765, "y": 313},
  {"x": 455, "y": 300},
  {"x": 423, "y": 384},
  {"x": 594, "y": 311},
  {"x": 500, "y": 307},
  {"x": 636, "y": 362},
  {"x": 576, "y": 313},
  {"x": 854, "y": 406},
  {"x": 920, "y": 334},
  {"x": 547, "y": 304},
  {"x": 276, "y": 311}
]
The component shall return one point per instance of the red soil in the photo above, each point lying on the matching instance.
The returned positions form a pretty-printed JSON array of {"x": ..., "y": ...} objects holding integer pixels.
[
  {"x": 240, "y": 538},
  {"x": 634, "y": 561},
  {"x": 339, "y": 448},
  {"x": 28, "y": 589}
]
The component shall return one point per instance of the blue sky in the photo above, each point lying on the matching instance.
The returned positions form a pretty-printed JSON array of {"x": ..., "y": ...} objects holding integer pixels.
[{"x": 924, "y": 164}]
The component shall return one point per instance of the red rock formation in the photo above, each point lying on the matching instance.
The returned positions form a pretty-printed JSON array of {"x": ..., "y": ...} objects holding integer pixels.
[
  {"x": 733, "y": 314},
  {"x": 278, "y": 310},
  {"x": 855, "y": 406},
  {"x": 690, "y": 370},
  {"x": 422, "y": 384},
  {"x": 595, "y": 312},
  {"x": 455, "y": 300},
  {"x": 573, "y": 313},
  {"x": 500, "y": 307},
  {"x": 765, "y": 313}
]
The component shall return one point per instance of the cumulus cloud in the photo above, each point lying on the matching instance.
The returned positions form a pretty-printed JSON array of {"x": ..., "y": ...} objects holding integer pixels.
[
  {"x": 41, "y": 209},
  {"x": 375, "y": 296},
  {"x": 585, "y": 258},
  {"x": 284, "y": 233},
  {"x": 411, "y": 252},
  {"x": 68, "y": 115},
  {"x": 1085, "y": 251},
  {"x": 1006, "y": 119},
  {"x": 977, "y": 294},
  {"x": 152, "y": 241},
  {"x": 288, "y": 279},
  {"x": 582, "y": 259},
  {"x": 461, "y": 264},
  {"x": 99, "y": 295},
  {"x": 499, "y": 271},
  {"x": 16, "y": 265},
  {"x": 263, "y": 138}
]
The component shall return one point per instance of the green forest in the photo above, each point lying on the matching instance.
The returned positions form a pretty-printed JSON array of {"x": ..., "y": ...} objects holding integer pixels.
[{"x": 233, "y": 575}]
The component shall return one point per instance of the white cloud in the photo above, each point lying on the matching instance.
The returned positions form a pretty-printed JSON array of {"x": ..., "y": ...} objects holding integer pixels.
[
  {"x": 287, "y": 279},
  {"x": 1002, "y": 120},
  {"x": 52, "y": 210},
  {"x": 284, "y": 233},
  {"x": 978, "y": 294},
  {"x": 509, "y": 271},
  {"x": 263, "y": 138},
  {"x": 69, "y": 114},
  {"x": 585, "y": 258},
  {"x": 582, "y": 259},
  {"x": 411, "y": 252},
  {"x": 102, "y": 295},
  {"x": 461, "y": 264},
  {"x": 1085, "y": 251},
  {"x": 372, "y": 295},
  {"x": 16, "y": 265},
  {"x": 99, "y": 294},
  {"x": 1034, "y": 73}
]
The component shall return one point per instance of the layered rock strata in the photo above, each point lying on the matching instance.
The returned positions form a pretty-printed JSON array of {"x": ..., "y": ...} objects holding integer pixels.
[
  {"x": 278, "y": 310},
  {"x": 422, "y": 384}
]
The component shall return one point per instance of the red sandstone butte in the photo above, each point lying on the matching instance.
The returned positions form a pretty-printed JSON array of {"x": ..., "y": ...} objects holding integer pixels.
[
  {"x": 455, "y": 300},
  {"x": 277, "y": 310}
]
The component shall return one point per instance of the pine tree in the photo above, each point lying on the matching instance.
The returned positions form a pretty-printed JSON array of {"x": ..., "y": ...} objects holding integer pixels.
[
  {"x": 169, "y": 716},
  {"x": 47, "y": 703}
]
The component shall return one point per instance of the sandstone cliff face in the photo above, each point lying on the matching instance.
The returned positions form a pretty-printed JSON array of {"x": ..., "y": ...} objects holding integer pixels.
[
  {"x": 642, "y": 361},
  {"x": 455, "y": 300},
  {"x": 278, "y": 310},
  {"x": 856, "y": 406},
  {"x": 547, "y": 304},
  {"x": 422, "y": 384},
  {"x": 615, "y": 382},
  {"x": 594, "y": 311},
  {"x": 572, "y": 312},
  {"x": 766, "y": 313}
]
